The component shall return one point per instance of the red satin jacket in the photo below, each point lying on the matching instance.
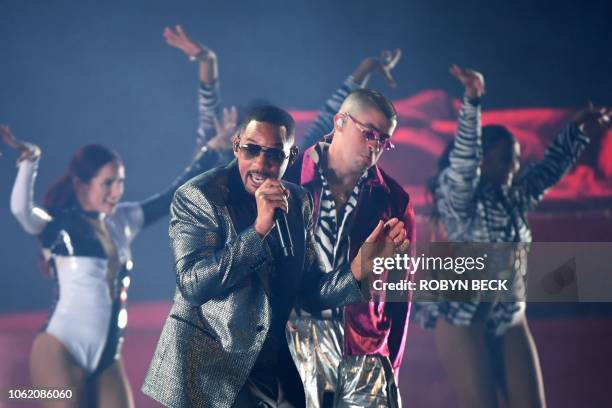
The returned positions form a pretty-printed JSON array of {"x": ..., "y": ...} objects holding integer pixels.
[{"x": 374, "y": 328}]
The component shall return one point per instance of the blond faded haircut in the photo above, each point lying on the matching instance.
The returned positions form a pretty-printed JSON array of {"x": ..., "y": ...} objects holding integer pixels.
[{"x": 363, "y": 99}]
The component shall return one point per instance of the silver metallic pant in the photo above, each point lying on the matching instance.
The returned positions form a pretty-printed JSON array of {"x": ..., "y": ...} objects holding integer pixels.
[{"x": 357, "y": 381}]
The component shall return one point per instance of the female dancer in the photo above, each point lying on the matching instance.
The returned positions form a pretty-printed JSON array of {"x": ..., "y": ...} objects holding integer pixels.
[
  {"x": 487, "y": 347},
  {"x": 85, "y": 233}
]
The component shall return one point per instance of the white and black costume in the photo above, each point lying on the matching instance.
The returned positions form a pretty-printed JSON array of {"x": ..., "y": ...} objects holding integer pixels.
[{"x": 89, "y": 314}]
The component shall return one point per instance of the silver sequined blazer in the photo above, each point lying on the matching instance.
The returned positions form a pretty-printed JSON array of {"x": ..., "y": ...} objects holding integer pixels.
[{"x": 221, "y": 312}]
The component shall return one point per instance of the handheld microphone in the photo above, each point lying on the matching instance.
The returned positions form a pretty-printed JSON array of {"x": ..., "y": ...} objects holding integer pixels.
[{"x": 282, "y": 229}]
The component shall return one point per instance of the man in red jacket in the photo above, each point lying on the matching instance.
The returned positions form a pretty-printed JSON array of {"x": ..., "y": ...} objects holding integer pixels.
[{"x": 356, "y": 351}]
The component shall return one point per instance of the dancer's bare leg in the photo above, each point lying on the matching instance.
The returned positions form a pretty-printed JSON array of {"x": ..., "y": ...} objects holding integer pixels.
[
  {"x": 113, "y": 387},
  {"x": 466, "y": 356},
  {"x": 53, "y": 367},
  {"x": 523, "y": 374}
]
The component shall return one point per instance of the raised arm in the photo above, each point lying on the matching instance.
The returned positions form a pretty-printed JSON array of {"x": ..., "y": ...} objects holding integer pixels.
[
  {"x": 208, "y": 155},
  {"x": 457, "y": 184},
  {"x": 562, "y": 154},
  {"x": 213, "y": 134},
  {"x": 358, "y": 79},
  {"x": 209, "y": 100},
  {"x": 33, "y": 219}
]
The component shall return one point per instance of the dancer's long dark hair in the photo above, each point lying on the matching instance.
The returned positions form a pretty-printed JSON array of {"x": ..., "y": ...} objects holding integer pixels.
[{"x": 85, "y": 163}]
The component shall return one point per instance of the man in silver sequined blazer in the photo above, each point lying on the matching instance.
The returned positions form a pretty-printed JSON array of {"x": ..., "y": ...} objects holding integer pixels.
[{"x": 223, "y": 344}]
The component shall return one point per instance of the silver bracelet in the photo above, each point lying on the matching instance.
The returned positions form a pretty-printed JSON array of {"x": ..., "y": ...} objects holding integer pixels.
[
  {"x": 201, "y": 152},
  {"x": 203, "y": 55}
]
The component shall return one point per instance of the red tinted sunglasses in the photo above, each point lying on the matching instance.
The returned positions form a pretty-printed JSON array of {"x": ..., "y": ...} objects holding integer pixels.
[{"x": 383, "y": 139}]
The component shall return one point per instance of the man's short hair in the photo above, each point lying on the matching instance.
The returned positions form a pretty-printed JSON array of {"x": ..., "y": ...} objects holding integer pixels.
[
  {"x": 270, "y": 114},
  {"x": 369, "y": 98}
]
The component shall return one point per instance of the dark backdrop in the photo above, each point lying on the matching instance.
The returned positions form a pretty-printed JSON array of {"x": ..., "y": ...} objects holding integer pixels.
[{"x": 76, "y": 72}]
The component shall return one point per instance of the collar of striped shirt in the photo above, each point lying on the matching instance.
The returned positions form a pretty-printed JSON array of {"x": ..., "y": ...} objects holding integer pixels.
[{"x": 331, "y": 232}]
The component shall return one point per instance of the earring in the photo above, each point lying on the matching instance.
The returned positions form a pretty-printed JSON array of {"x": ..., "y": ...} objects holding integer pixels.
[{"x": 293, "y": 154}]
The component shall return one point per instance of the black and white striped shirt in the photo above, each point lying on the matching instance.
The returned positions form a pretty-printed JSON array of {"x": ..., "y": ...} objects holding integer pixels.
[
  {"x": 331, "y": 231},
  {"x": 471, "y": 212},
  {"x": 209, "y": 108}
]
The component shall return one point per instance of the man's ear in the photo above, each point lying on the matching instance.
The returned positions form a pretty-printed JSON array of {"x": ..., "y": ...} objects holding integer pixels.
[
  {"x": 339, "y": 119},
  {"x": 235, "y": 144}
]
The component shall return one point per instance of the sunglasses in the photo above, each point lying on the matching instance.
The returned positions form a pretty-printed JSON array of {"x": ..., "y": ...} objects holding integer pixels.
[
  {"x": 271, "y": 154},
  {"x": 373, "y": 135}
]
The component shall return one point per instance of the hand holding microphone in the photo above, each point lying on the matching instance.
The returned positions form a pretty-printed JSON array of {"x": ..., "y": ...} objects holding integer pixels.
[{"x": 272, "y": 207}]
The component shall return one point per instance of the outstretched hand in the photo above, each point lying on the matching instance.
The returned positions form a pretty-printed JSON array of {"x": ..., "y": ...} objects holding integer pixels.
[
  {"x": 385, "y": 63},
  {"x": 27, "y": 151},
  {"x": 472, "y": 81},
  {"x": 382, "y": 64},
  {"x": 386, "y": 240},
  {"x": 224, "y": 130},
  {"x": 178, "y": 38},
  {"x": 594, "y": 122}
]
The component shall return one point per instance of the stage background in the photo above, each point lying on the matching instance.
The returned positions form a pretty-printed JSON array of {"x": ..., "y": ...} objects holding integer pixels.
[{"x": 82, "y": 72}]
